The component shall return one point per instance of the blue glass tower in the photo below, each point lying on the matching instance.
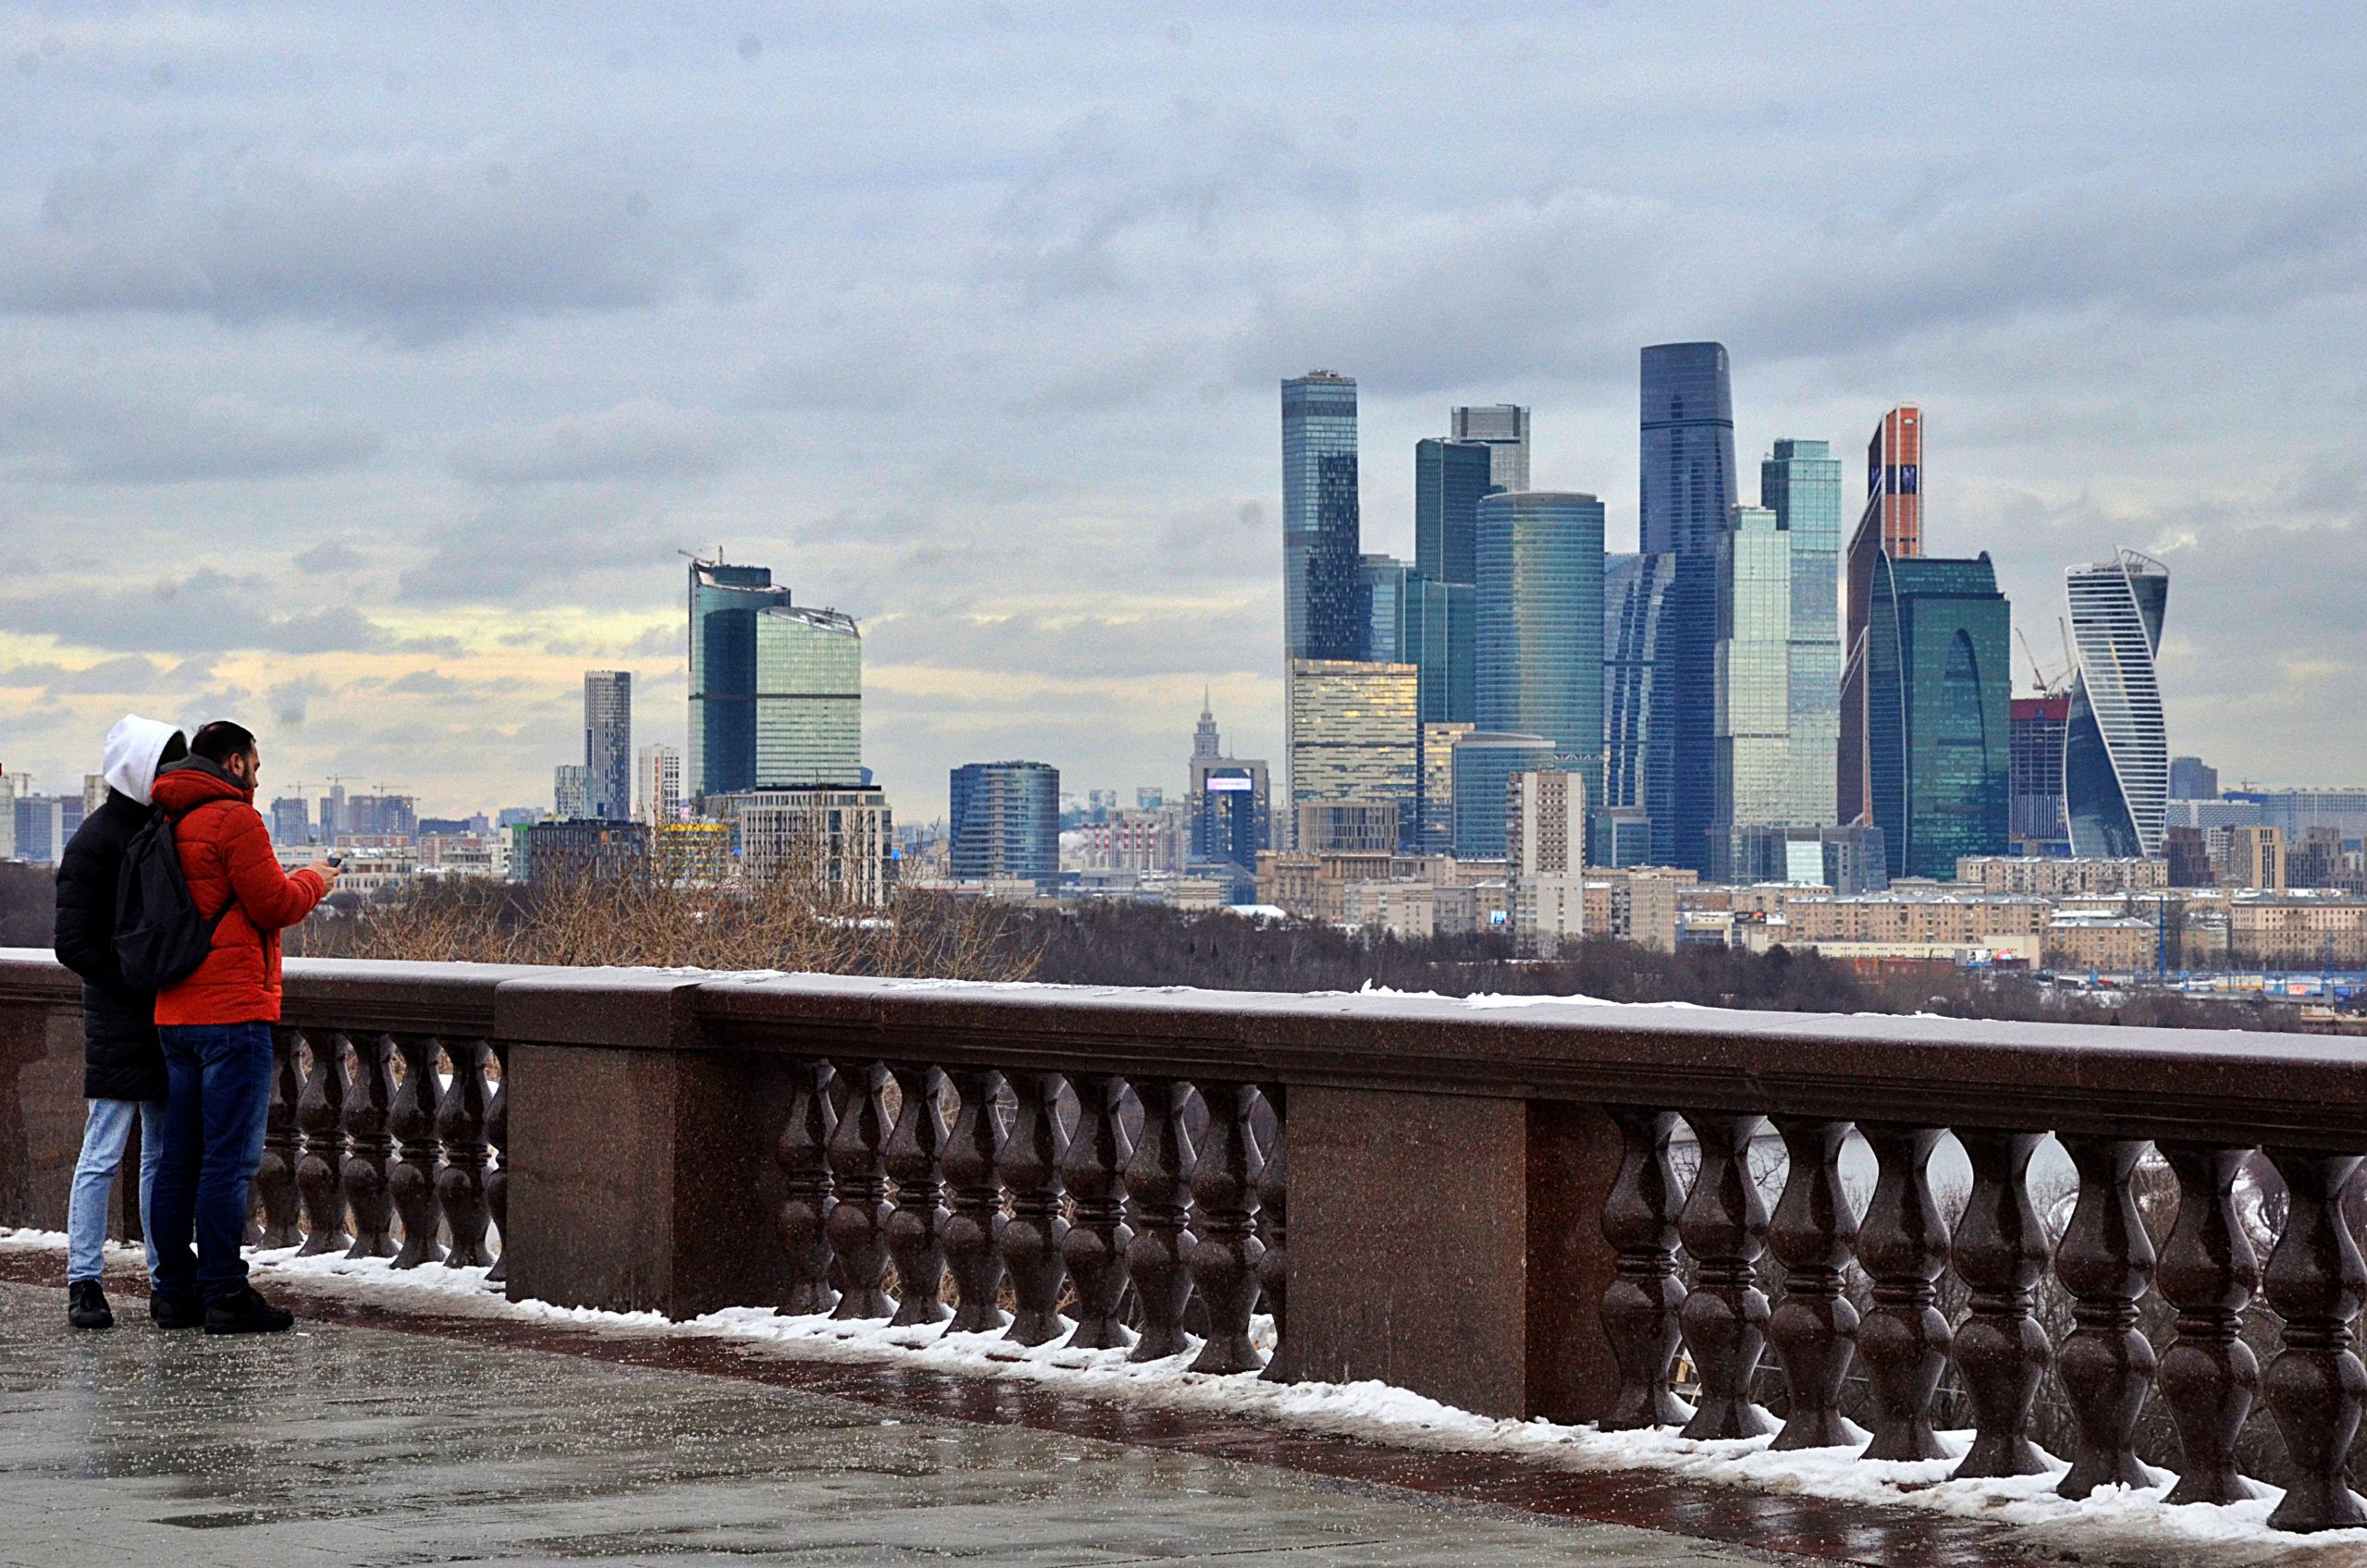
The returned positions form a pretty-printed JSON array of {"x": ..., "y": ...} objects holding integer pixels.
[
  {"x": 1938, "y": 712},
  {"x": 1437, "y": 636},
  {"x": 1689, "y": 448},
  {"x": 1006, "y": 822},
  {"x": 1801, "y": 484},
  {"x": 1539, "y": 632},
  {"x": 1449, "y": 479},
  {"x": 724, "y": 601},
  {"x": 2115, "y": 749},
  {"x": 1686, "y": 499},
  {"x": 1320, "y": 531},
  {"x": 1634, "y": 593}
]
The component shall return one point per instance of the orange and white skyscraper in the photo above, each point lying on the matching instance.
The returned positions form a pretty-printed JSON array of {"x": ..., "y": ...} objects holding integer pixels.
[{"x": 1892, "y": 524}]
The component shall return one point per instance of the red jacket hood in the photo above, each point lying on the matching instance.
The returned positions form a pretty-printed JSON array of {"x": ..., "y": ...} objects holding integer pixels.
[{"x": 193, "y": 783}]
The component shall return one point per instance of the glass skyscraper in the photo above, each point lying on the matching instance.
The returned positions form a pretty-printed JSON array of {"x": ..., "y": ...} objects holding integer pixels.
[
  {"x": 1689, "y": 448},
  {"x": 1383, "y": 586},
  {"x": 1449, "y": 479},
  {"x": 607, "y": 744},
  {"x": 1354, "y": 735},
  {"x": 724, "y": 600},
  {"x": 1503, "y": 428},
  {"x": 1006, "y": 822},
  {"x": 1540, "y": 625},
  {"x": 1938, "y": 710},
  {"x": 1436, "y": 637},
  {"x": 2035, "y": 823},
  {"x": 1484, "y": 764},
  {"x": 1801, "y": 484},
  {"x": 1635, "y": 591},
  {"x": 2115, "y": 749},
  {"x": 1892, "y": 524},
  {"x": 809, "y": 699},
  {"x": 1320, "y": 532},
  {"x": 1752, "y": 663}
]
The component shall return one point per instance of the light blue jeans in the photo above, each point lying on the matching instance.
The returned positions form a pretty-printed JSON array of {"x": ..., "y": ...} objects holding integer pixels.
[{"x": 103, "y": 1137}]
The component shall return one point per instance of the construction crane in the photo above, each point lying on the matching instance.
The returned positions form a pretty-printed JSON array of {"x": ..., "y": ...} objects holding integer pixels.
[{"x": 2048, "y": 686}]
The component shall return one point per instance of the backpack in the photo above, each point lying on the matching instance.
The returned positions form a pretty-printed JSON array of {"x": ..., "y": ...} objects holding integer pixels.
[{"x": 160, "y": 938}]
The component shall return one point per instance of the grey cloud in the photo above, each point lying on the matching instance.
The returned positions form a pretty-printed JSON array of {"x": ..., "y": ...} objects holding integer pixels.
[
  {"x": 636, "y": 440},
  {"x": 424, "y": 683},
  {"x": 205, "y": 613},
  {"x": 82, "y": 432},
  {"x": 332, "y": 557},
  {"x": 128, "y": 672},
  {"x": 546, "y": 550}
]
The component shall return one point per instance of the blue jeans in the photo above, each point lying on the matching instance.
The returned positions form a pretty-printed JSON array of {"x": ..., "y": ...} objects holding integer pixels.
[
  {"x": 105, "y": 1136},
  {"x": 219, "y": 1078}
]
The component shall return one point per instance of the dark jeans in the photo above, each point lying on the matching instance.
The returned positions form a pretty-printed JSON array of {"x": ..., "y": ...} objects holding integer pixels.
[{"x": 219, "y": 1077}]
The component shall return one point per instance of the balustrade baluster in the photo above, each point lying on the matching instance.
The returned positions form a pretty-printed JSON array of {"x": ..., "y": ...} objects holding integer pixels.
[
  {"x": 497, "y": 1179},
  {"x": 1723, "y": 1225},
  {"x": 2315, "y": 1280},
  {"x": 857, "y": 1226},
  {"x": 1811, "y": 1235},
  {"x": 916, "y": 1227},
  {"x": 1030, "y": 1165},
  {"x": 2208, "y": 1271},
  {"x": 274, "y": 1184},
  {"x": 1158, "y": 1206},
  {"x": 1093, "y": 1169},
  {"x": 2106, "y": 1260},
  {"x": 1639, "y": 1310},
  {"x": 1224, "y": 1253},
  {"x": 802, "y": 1155},
  {"x": 369, "y": 1146},
  {"x": 2001, "y": 1352},
  {"x": 411, "y": 1183},
  {"x": 320, "y": 1113},
  {"x": 1903, "y": 1245},
  {"x": 973, "y": 1220},
  {"x": 1273, "y": 1235},
  {"x": 460, "y": 1124}
]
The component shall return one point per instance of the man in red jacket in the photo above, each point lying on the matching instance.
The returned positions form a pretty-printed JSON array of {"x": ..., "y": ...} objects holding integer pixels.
[{"x": 215, "y": 1028}]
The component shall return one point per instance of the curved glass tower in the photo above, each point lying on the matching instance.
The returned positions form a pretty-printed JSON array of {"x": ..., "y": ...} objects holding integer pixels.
[
  {"x": 1540, "y": 613},
  {"x": 2116, "y": 750}
]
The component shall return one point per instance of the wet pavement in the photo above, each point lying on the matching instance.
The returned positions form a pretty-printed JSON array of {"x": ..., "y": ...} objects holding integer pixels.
[{"x": 354, "y": 1445}]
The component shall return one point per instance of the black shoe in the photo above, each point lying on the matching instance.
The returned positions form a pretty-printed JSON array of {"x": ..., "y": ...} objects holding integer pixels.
[
  {"x": 176, "y": 1312},
  {"x": 86, "y": 1305},
  {"x": 247, "y": 1313}
]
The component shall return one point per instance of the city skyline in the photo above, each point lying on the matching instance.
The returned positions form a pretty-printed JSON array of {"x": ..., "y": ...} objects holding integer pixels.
[{"x": 433, "y": 499}]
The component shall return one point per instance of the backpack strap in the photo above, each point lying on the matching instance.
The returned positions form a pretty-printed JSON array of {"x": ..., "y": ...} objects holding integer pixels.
[{"x": 175, "y": 817}]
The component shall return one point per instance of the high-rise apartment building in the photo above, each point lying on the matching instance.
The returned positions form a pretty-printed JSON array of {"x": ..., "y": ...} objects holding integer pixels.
[
  {"x": 2035, "y": 823},
  {"x": 607, "y": 744},
  {"x": 809, "y": 699},
  {"x": 1892, "y": 524},
  {"x": 1539, "y": 632},
  {"x": 1320, "y": 531},
  {"x": 1485, "y": 764},
  {"x": 1938, "y": 699},
  {"x": 1545, "y": 836},
  {"x": 291, "y": 821},
  {"x": 1449, "y": 479},
  {"x": 2115, "y": 748},
  {"x": 1006, "y": 823},
  {"x": 570, "y": 791},
  {"x": 1503, "y": 428},
  {"x": 724, "y": 602},
  {"x": 1687, "y": 492},
  {"x": 1750, "y": 726},
  {"x": 657, "y": 785},
  {"x": 1800, "y": 482},
  {"x": 2191, "y": 779},
  {"x": 839, "y": 844},
  {"x": 1356, "y": 735}
]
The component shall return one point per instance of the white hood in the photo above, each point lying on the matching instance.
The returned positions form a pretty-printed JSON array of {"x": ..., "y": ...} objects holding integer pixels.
[{"x": 133, "y": 746}]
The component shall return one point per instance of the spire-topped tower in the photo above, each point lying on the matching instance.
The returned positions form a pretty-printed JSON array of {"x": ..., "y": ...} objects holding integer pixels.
[{"x": 1205, "y": 740}]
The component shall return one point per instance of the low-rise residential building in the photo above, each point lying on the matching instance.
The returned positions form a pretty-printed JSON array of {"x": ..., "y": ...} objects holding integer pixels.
[
  {"x": 2060, "y": 878},
  {"x": 2297, "y": 931},
  {"x": 2102, "y": 944},
  {"x": 1918, "y": 917}
]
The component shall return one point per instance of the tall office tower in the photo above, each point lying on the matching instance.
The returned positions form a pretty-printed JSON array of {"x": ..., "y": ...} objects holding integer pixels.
[
  {"x": 2115, "y": 749},
  {"x": 570, "y": 791},
  {"x": 1750, "y": 726},
  {"x": 1540, "y": 633},
  {"x": 1503, "y": 428},
  {"x": 608, "y": 744},
  {"x": 1892, "y": 524},
  {"x": 291, "y": 821},
  {"x": 1206, "y": 741},
  {"x": 1006, "y": 822},
  {"x": 2035, "y": 823},
  {"x": 809, "y": 699},
  {"x": 1484, "y": 762},
  {"x": 1320, "y": 532},
  {"x": 724, "y": 599},
  {"x": 1436, "y": 636},
  {"x": 1688, "y": 490},
  {"x": 2191, "y": 779},
  {"x": 1800, "y": 482},
  {"x": 1354, "y": 735},
  {"x": 1634, "y": 593},
  {"x": 1382, "y": 587},
  {"x": 1449, "y": 479},
  {"x": 657, "y": 785},
  {"x": 1938, "y": 702}
]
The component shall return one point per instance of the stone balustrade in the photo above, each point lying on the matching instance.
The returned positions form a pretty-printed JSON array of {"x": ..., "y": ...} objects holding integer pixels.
[{"x": 1632, "y": 1216}]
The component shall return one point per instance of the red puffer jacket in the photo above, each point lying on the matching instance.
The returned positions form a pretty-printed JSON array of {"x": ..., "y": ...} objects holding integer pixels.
[{"x": 226, "y": 854}]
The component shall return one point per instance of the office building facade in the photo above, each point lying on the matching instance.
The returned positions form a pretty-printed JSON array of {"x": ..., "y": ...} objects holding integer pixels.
[
  {"x": 1538, "y": 642},
  {"x": 837, "y": 844},
  {"x": 1688, "y": 489},
  {"x": 1891, "y": 524},
  {"x": 2191, "y": 779},
  {"x": 570, "y": 791},
  {"x": 607, "y": 744},
  {"x": 657, "y": 785},
  {"x": 2116, "y": 747},
  {"x": 1800, "y": 482},
  {"x": 1752, "y": 669},
  {"x": 2035, "y": 823},
  {"x": 809, "y": 699},
  {"x": 1438, "y": 635},
  {"x": 1503, "y": 428},
  {"x": 1450, "y": 477},
  {"x": 1356, "y": 735},
  {"x": 1635, "y": 596},
  {"x": 1320, "y": 529},
  {"x": 1484, "y": 762},
  {"x": 1384, "y": 584},
  {"x": 1006, "y": 823},
  {"x": 724, "y": 600},
  {"x": 1938, "y": 700}
]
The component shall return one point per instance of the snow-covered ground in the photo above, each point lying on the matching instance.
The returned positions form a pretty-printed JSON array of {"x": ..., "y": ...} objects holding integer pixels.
[{"x": 2115, "y": 1518}]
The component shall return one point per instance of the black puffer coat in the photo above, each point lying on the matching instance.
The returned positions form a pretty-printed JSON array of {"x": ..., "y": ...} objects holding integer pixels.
[{"x": 121, "y": 1059}]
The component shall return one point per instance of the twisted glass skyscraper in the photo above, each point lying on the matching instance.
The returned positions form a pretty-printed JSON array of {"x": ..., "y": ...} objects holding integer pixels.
[
  {"x": 1539, "y": 634},
  {"x": 2115, "y": 750}
]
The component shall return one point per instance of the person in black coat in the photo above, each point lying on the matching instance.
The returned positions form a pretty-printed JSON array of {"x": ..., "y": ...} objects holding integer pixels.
[{"x": 123, "y": 1065}]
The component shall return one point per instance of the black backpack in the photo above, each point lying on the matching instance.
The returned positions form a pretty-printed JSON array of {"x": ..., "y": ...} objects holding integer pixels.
[{"x": 159, "y": 937}]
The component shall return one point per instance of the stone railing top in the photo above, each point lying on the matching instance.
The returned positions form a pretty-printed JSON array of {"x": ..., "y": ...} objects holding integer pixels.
[{"x": 2156, "y": 1083}]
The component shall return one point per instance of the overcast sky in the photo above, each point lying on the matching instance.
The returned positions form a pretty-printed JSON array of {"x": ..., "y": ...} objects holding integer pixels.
[{"x": 362, "y": 369}]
